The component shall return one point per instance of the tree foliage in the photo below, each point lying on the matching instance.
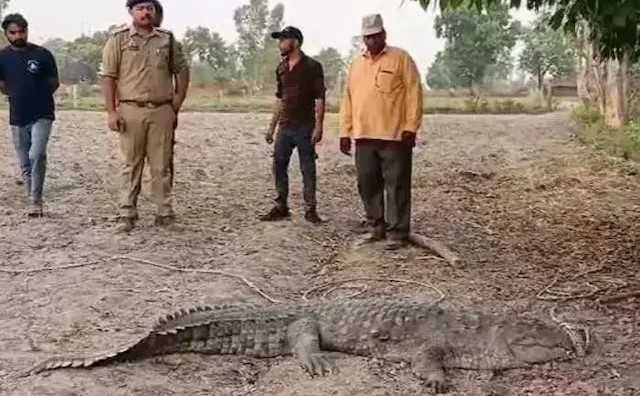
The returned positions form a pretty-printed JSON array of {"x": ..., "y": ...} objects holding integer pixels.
[
  {"x": 546, "y": 52},
  {"x": 474, "y": 42},
  {"x": 206, "y": 46},
  {"x": 257, "y": 51},
  {"x": 209, "y": 48},
  {"x": 613, "y": 25},
  {"x": 334, "y": 67},
  {"x": 79, "y": 60},
  {"x": 439, "y": 75}
]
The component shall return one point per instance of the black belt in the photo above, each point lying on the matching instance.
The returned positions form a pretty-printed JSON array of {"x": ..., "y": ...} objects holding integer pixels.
[{"x": 149, "y": 104}]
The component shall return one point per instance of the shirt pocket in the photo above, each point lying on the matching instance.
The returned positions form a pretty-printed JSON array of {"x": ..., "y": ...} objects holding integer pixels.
[
  {"x": 387, "y": 79},
  {"x": 160, "y": 57},
  {"x": 131, "y": 56}
]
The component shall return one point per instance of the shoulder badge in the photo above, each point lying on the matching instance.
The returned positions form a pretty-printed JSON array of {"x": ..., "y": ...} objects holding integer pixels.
[
  {"x": 119, "y": 30},
  {"x": 165, "y": 31}
]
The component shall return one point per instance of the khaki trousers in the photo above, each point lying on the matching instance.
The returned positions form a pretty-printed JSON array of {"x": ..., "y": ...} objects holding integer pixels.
[{"x": 147, "y": 135}]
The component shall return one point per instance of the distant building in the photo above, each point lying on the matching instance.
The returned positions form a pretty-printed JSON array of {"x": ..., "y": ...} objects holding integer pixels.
[{"x": 563, "y": 88}]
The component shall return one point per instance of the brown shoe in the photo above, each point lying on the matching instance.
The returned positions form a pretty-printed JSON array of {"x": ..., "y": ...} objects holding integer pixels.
[{"x": 127, "y": 224}]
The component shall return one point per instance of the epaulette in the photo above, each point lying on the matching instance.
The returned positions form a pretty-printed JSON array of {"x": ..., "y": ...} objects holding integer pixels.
[
  {"x": 165, "y": 31},
  {"x": 119, "y": 30}
]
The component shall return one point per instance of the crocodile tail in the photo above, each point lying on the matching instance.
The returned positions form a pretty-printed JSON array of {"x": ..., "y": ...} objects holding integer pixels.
[
  {"x": 180, "y": 315},
  {"x": 130, "y": 352}
]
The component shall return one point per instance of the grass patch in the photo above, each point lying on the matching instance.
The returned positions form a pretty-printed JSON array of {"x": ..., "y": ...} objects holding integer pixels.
[
  {"x": 200, "y": 100},
  {"x": 618, "y": 142}
]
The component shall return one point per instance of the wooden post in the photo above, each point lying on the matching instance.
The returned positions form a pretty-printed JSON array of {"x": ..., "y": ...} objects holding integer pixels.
[{"x": 74, "y": 95}]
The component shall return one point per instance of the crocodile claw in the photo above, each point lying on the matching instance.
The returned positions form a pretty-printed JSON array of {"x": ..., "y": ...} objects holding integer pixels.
[
  {"x": 318, "y": 364},
  {"x": 435, "y": 383}
]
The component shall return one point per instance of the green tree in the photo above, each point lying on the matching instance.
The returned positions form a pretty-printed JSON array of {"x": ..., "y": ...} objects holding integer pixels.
[
  {"x": 207, "y": 47},
  {"x": 438, "y": 75},
  {"x": 333, "y": 65},
  {"x": 546, "y": 52},
  {"x": 257, "y": 51},
  {"x": 613, "y": 25},
  {"x": 3, "y": 7},
  {"x": 88, "y": 49},
  {"x": 474, "y": 42},
  {"x": 276, "y": 18},
  {"x": 356, "y": 48},
  {"x": 210, "y": 49},
  {"x": 270, "y": 54},
  {"x": 59, "y": 48}
]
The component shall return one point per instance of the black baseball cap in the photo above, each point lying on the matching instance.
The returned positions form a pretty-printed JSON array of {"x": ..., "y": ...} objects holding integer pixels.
[
  {"x": 288, "y": 32},
  {"x": 133, "y": 3}
]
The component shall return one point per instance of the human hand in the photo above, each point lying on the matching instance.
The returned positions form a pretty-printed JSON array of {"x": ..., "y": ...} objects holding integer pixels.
[
  {"x": 408, "y": 138},
  {"x": 345, "y": 146},
  {"x": 115, "y": 121},
  {"x": 317, "y": 135}
]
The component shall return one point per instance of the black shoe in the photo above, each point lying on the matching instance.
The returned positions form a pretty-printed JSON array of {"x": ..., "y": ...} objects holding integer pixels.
[
  {"x": 371, "y": 237},
  {"x": 127, "y": 224},
  {"x": 35, "y": 211},
  {"x": 164, "y": 221},
  {"x": 396, "y": 244},
  {"x": 277, "y": 213},
  {"x": 312, "y": 216}
]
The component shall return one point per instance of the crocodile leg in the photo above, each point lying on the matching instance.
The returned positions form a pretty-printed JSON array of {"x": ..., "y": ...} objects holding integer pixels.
[
  {"x": 427, "y": 365},
  {"x": 304, "y": 340}
]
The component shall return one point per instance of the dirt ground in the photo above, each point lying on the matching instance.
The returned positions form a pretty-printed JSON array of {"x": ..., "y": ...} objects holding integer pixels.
[{"x": 522, "y": 202}]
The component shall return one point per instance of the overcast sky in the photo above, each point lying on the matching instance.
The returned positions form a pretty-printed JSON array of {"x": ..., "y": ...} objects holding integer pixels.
[{"x": 325, "y": 23}]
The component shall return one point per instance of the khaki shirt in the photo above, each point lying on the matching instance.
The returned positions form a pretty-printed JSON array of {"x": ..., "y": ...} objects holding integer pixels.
[
  {"x": 141, "y": 64},
  {"x": 383, "y": 97}
]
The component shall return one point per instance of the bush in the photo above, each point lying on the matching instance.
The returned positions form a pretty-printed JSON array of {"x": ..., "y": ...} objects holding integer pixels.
[
  {"x": 510, "y": 106},
  {"x": 619, "y": 142},
  {"x": 633, "y": 130},
  {"x": 587, "y": 115}
]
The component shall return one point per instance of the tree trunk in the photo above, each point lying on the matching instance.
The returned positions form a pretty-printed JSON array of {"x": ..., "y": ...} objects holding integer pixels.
[
  {"x": 617, "y": 84},
  {"x": 603, "y": 84},
  {"x": 590, "y": 73},
  {"x": 540, "y": 80}
]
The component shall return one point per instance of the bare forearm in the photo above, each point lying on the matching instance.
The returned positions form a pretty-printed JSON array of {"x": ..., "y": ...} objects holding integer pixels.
[
  {"x": 109, "y": 92},
  {"x": 277, "y": 111},
  {"x": 182, "y": 86},
  {"x": 320, "y": 110}
]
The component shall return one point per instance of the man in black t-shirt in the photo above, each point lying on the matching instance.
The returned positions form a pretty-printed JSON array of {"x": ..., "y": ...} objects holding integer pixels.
[
  {"x": 299, "y": 117},
  {"x": 29, "y": 76}
]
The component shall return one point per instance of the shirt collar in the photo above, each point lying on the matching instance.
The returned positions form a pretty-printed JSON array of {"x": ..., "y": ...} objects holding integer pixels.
[
  {"x": 303, "y": 56},
  {"x": 366, "y": 53},
  {"x": 133, "y": 32}
]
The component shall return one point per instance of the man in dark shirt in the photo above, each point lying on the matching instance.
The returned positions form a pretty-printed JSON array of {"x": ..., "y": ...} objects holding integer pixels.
[
  {"x": 299, "y": 116},
  {"x": 29, "y": 76}
]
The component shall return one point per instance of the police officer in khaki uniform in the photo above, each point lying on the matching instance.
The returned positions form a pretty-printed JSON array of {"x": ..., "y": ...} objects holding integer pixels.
[{"x": 138, "y": 68}]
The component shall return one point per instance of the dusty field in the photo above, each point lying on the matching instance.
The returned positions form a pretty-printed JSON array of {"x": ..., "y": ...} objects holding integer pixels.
[{"x": 521, "y": 202}]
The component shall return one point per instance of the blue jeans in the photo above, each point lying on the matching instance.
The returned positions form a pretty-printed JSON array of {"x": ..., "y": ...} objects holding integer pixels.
[
  {"x": 30, "y": 142},
  {"x": 286, "y": 140}
]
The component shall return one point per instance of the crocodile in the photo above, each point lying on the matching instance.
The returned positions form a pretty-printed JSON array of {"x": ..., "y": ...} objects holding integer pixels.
[{"x": 430, "y": 336}]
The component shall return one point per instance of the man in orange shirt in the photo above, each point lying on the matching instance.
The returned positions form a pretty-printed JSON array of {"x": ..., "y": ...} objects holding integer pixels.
[{"x": 382, "y": 112}]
